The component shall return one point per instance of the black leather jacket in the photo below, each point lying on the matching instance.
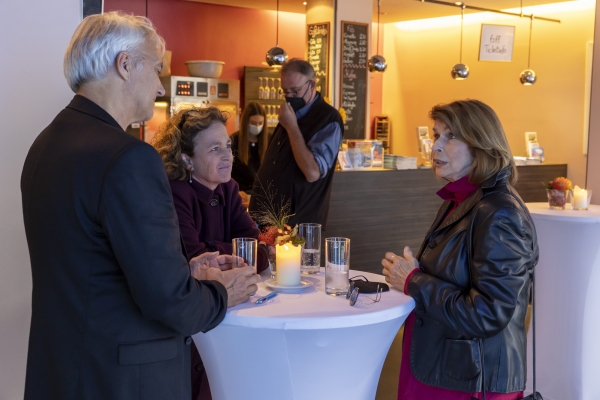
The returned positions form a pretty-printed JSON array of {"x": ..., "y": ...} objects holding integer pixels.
[{"x": 472, "y": 292}]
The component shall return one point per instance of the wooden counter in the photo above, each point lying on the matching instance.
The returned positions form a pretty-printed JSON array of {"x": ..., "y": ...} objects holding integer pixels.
[{"x": 385, "y": 210}]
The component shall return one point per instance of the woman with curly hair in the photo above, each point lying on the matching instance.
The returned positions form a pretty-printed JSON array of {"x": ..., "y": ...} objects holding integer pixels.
[{"x": 196, "y": 152}]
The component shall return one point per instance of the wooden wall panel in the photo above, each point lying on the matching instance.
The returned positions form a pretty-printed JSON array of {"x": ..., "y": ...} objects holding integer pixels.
[{"x": 386, "y": 210}]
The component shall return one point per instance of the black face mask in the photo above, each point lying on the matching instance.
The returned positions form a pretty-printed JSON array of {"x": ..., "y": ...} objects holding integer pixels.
[{"x": 296, "y": 102}]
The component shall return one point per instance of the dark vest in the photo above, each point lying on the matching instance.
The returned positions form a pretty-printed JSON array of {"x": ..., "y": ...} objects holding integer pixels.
[{"x": 309, "y": 200}]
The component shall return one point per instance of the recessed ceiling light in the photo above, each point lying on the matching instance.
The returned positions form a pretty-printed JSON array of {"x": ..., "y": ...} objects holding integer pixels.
[
  {"x": 304, "y": 3},
  {"x": 458, "y": 3}
]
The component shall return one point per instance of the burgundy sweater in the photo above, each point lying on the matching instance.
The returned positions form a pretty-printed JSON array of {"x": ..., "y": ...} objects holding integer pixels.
[{"x": 208, "y": 220}]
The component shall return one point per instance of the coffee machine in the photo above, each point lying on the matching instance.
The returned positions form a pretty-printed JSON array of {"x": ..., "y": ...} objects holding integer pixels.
[{"x": 185, "y": 91}]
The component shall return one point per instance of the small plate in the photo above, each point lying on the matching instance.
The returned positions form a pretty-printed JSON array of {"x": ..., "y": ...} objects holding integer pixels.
[{"x": 272, "y": 283}]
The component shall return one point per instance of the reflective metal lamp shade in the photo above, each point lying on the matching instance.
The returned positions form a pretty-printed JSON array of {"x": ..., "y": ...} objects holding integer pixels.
[
  {"x": 276, "y": 56},
  {"x": 377, "y": 64},
  {"x": 528, "y": 77},
  {"x": 459, "y": 72}
]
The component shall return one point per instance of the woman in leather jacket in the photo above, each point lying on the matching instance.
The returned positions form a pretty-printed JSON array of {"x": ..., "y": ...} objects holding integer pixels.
[{"x": 471, "y": 277}]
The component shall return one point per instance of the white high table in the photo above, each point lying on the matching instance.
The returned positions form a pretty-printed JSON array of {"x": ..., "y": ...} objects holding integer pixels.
[
  {"x": 567, "y": 303},
  {"x": 302, "y": 346}
]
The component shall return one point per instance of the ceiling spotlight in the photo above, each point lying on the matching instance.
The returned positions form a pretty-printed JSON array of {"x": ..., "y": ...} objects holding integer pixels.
[
  {"x": 304, "y": 3},
  {"x": 528, "y": 77},
  {"x": 276, "y": 56},
  {"x": 377, "y": 63},
  {"x": 460, "y": 71}
]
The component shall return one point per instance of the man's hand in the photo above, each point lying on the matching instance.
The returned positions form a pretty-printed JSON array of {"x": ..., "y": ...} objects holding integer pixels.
[
  {"x": 199, "y": 265},
  {"x": 397, "y": 268},
  {"x": 239, "y": 282},
  {"x": 302, "y": 155},
  {"x": 287, "y": 117}
]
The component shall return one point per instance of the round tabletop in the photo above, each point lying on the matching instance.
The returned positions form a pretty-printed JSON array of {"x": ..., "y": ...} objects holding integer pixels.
[
  {"x": 543, "y": 211},
  {"x": 313, "y": 309}
]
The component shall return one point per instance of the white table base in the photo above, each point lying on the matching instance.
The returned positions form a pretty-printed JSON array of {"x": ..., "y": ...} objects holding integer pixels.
[{"x": 567, "y": 304}]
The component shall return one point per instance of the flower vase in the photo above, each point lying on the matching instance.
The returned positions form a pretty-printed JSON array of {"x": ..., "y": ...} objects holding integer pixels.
[{"x": 557, "y": 199}]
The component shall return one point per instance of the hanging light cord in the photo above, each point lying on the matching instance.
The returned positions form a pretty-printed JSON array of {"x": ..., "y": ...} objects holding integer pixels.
[
  {"x": 277, "y": 27},
  {"x": 462, "y": 23},
  {"x": 530, "y": 34},
  {"x": 378, "y": 13}
]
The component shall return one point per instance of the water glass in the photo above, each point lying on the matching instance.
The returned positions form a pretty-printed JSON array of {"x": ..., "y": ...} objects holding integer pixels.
[
  {"x": 247, "y": 249},
  {"x": 311, "y": 250},
  {"x": 337, "y": 266}
]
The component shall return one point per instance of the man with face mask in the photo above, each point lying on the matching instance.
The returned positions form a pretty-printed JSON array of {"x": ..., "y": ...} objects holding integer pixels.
[{"x": 300, "y": 160}]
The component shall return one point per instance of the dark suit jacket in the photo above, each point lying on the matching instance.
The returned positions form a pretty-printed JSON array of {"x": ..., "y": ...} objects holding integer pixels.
[{"x": 113, "y": 300}]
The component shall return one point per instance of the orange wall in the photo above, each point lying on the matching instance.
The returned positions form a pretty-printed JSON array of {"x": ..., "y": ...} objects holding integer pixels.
[
  {"x": 418, "y": 77},
  {"x": 200, "y": 31}
]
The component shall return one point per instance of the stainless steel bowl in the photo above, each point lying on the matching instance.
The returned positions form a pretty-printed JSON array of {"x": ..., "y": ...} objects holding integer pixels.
[{"x": 205, "y": 68}]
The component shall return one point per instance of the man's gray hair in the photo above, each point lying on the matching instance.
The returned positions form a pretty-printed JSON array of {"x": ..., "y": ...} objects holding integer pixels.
[
  {"x": 298, "y": 65},
  {"x": 99, "y": 39}
]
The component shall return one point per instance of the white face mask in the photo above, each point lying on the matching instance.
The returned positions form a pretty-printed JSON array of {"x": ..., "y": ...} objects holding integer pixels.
[{"x": 255, "y": 129}]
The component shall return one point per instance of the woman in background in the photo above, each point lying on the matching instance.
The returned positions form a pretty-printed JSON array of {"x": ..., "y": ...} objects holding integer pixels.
[
  {"x": 196, "y": 151},
  {"x": 249, "y": 145}
]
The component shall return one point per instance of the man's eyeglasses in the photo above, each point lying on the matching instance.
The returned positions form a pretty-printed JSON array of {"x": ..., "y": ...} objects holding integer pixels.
[
  {"x": 352, "y": 295},
  {"x": 294, "y": 92}
]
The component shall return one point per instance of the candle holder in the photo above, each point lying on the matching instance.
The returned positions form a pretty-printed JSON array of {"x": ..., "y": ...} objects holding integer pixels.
[
  {"x": 580, "y": 199},
  {"x": 557, "y": 199}
]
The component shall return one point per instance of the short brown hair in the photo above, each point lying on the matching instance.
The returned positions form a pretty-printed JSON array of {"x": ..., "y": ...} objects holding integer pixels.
[
  {"x": 299, "y": 65},
  {"x": 176, "y": 137},
  {"x": 476, "y": 124}
]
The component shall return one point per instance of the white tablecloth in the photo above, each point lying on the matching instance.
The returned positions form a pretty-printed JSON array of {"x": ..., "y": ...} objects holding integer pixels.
[
  {"x": 303, "y": 346},
  {"x": 567, "y": 304}
]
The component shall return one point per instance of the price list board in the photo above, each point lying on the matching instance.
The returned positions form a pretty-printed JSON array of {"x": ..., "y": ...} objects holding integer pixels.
[
  {"x": 318, "y": 54},
  {"x": 353, "y": 91}
]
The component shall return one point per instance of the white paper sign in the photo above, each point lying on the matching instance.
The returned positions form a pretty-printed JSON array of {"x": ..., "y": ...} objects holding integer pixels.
[{"x": 496, "y": 42}]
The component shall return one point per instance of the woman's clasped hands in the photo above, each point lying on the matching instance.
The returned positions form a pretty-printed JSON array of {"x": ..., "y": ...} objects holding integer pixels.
[{"x": 397, "y": 268}]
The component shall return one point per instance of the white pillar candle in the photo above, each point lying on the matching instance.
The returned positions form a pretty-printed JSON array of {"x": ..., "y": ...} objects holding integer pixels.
[
  {"x": 287, "y": 259},
  {"x": 580, "y": 198}
]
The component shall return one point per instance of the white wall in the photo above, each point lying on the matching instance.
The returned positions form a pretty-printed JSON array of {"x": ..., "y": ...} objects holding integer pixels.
[{"x": 33, "y": 37}]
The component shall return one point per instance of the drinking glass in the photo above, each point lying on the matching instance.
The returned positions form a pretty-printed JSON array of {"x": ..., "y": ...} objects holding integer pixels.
[
  {"x": 261, "y": 89},
  {"x": 311, "y": 250},
  {"x": 280, "y": 94},
  {"x": 337, "y": 265},
  {"x": 273, "y": 90},
  {"x": 247, "y": 249},
  {"x": 267, "y": 92}
]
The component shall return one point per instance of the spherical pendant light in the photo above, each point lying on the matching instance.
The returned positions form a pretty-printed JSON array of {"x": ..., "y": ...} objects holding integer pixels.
[
  {"x": 527, "y": 77},
  {"x": 459, "y": 72},
  {"x": 377, "y": 64},
  {"x": 276, "y": 56}
]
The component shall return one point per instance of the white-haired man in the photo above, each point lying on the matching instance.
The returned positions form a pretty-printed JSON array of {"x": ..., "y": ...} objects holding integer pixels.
[{"x": 114, "y": 300}]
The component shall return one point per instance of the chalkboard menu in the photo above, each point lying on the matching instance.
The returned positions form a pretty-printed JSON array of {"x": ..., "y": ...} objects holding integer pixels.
[
  {"x": 318, "y": 54},
  {"x": 353, "y": 92}
]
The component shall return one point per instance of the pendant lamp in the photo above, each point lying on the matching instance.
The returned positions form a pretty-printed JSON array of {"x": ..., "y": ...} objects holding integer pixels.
[
  {"x": 460, "y": 71},
  {"x": 528, "y": 77},
  {"x": 276, "y": 56},
  {"x": 377, "y": 63}
]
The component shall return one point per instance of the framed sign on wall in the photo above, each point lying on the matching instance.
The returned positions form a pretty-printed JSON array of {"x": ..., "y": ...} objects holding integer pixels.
[
  {"x": 496, "y": 42},
  {"x": 318, "y": 54},
  {"x": 353, "y": 87}
]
